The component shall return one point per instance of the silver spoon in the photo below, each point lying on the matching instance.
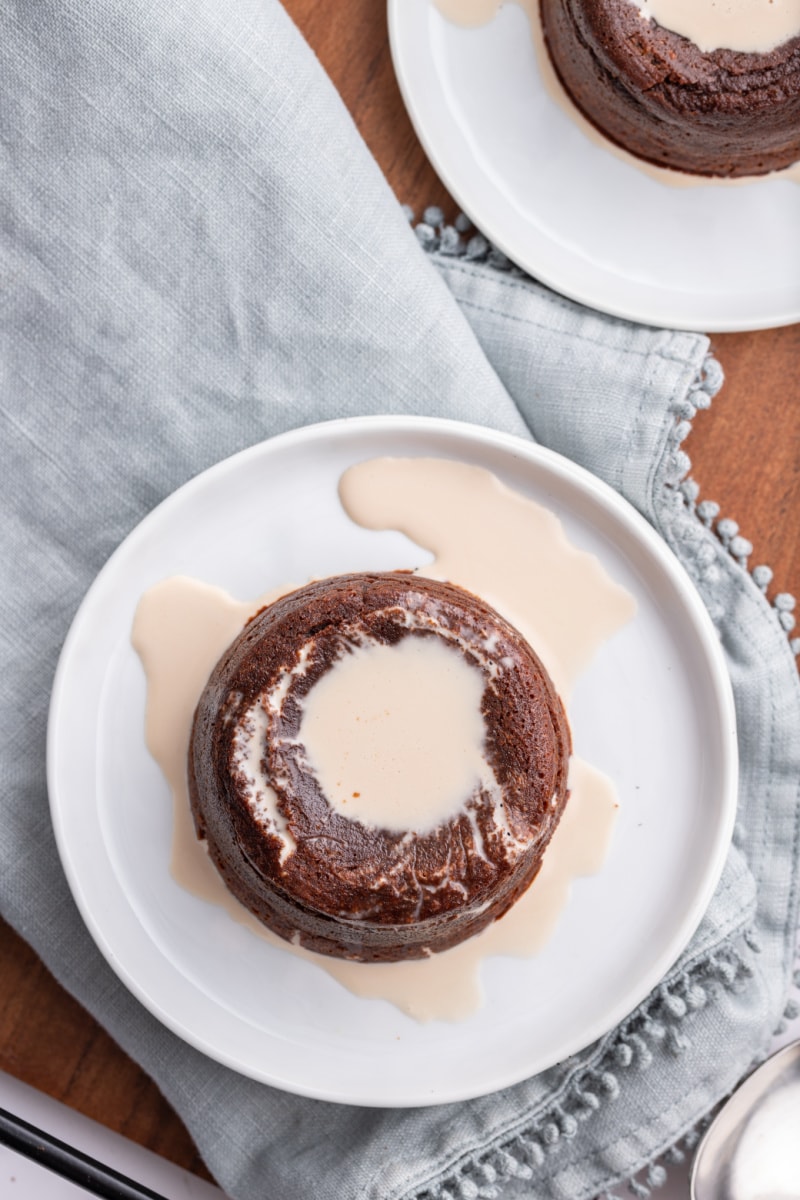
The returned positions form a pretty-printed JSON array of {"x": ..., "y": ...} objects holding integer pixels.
[{"x": 751, "y": 1151}]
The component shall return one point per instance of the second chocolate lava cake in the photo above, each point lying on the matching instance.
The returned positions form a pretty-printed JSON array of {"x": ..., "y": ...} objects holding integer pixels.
[{"x": 656, "y": 94}]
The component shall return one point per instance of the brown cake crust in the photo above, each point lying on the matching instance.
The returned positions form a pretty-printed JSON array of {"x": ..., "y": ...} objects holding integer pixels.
[
  {"x": 333, "y": 884},
  {"x": 653, "y": 92}
]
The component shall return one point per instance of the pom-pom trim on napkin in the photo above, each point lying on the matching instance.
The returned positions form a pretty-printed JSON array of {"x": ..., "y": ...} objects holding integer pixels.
[
  {"x": 460, "y": 240},
  {"x": 662, "y": 1021}
]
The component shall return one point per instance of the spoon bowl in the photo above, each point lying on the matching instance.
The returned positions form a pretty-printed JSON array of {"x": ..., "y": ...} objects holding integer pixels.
[{"x": 751, "y": 1151}]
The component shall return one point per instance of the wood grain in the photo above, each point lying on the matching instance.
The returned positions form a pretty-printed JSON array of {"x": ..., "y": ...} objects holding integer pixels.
[
  {"x": 50, "y": 1042},
  {"x": 746, "y": 455}
]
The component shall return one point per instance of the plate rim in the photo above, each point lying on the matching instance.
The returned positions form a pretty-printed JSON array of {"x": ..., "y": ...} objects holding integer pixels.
[
  {"x": 539, "y": 456},
  {"x": 401, "y": 11}
]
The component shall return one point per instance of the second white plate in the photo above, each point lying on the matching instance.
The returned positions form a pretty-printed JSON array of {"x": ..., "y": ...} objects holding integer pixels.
[
  {"x": 653, "y": 711},
  {"x": 571, "y": 213}
]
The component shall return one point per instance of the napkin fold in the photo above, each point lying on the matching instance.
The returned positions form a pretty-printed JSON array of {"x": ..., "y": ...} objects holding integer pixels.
[{"x": 198, "y": 252}]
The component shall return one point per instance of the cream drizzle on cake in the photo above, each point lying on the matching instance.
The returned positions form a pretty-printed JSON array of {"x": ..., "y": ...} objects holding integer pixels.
[
  {"x": 749, "y": 26},
  {"x": 248, "y": 758},
  {"x": 182, "y": 626}
]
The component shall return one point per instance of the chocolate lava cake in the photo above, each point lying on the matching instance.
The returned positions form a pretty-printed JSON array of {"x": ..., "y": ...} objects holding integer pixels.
[
  {"x": 656, "y": 94},
  {"x": 337, "y": 885}
]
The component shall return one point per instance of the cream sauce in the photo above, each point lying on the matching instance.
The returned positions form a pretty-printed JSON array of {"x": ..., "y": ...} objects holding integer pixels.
[
  {"x": 395, "y": 735},
  {"x": 462, "y": 513},
  {"x": 500, "y": 545},
  {"x": 180, "y": 630},
  {"x": 473, "y": 13},
  {"x": 749, "y": 26}
]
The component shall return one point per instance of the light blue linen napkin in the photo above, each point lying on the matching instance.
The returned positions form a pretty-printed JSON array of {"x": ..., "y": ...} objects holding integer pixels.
[{"x": 197, "y": 253}]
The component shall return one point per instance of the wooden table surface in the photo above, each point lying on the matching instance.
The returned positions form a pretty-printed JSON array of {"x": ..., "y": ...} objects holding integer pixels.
[{"x": 745, "y": 453}]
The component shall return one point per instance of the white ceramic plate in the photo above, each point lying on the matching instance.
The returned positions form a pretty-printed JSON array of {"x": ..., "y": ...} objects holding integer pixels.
[
  {"x": 654, "y": 711},
  {"x": 570, "y": 212}
]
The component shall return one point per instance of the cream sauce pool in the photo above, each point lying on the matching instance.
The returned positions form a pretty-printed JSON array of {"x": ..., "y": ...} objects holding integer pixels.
[{"x": 389, "y": 753}]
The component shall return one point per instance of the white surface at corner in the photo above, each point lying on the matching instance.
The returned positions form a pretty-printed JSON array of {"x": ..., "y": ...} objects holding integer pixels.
[{"x": 23, "y": 1179}]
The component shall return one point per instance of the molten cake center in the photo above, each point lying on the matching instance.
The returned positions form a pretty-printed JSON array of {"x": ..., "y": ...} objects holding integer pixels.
[{"x": 395, "y": 734}]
